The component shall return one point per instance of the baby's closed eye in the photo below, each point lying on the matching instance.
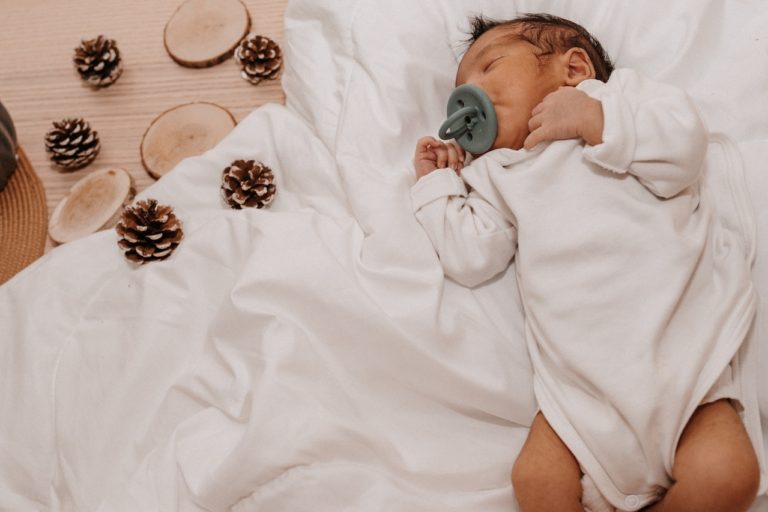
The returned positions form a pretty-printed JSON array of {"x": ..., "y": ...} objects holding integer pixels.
[{"x": 492, "y": 62}]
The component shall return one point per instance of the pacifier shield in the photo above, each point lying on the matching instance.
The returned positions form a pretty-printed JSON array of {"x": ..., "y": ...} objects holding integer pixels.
[{"x": 471, "y": 119}]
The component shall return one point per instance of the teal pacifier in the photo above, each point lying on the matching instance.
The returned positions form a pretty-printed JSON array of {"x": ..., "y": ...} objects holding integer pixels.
[{"x": 471, "y": 119}]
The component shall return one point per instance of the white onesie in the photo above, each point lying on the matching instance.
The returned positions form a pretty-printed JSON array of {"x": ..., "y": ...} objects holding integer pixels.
[{"x": 634, "y": 303}]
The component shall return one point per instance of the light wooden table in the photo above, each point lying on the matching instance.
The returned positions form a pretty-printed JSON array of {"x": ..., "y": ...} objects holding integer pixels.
[{"x": 39, "y": 84}]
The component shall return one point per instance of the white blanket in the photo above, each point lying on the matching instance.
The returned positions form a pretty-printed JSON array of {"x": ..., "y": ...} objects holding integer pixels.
[{"x": 312, "y": 356}]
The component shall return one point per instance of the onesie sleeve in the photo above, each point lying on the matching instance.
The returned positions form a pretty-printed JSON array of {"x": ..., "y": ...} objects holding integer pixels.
[
  {"x": 473, "y": 240},
  {"x": 651, "y": 130}
]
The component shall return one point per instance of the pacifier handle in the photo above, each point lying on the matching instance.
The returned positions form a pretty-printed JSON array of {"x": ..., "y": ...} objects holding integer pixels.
[{"x": 457, "y": 125}]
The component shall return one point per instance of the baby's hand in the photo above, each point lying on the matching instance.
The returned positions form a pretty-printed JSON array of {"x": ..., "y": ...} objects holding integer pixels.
[
  {"x": 567, "y": 113},
  {"x": 432, "y": 154}
]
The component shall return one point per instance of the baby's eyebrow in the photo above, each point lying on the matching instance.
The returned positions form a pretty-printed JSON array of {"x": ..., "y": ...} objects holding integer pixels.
[
  {"x": 487, "y": 50},
  {"x": 503, "y": 43}
]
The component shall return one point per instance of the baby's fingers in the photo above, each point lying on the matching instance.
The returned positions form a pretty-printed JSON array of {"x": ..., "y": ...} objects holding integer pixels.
[
  {"x": 536, "y": 137},
  {"x": 425, "y": 144},
  {"x": 461, "y": 153},
  {"x": 453, "y": 158},
  {"x": 535, "y": 122},
  {"x": 537, "y": 109},
  {"x": 442, "y": 155}
]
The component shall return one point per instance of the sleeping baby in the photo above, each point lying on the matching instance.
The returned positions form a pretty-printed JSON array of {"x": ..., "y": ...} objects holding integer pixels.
[{"x": 635, "y": 302}]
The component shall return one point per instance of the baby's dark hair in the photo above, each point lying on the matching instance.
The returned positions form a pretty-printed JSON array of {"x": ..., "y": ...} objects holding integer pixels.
[{"x": 550, "y": 34}]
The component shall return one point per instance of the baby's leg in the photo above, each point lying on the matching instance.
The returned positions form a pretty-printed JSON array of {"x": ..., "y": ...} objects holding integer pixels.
[
  {"x": 546, "y": 475},
  {"x": 715, "y": 468}
]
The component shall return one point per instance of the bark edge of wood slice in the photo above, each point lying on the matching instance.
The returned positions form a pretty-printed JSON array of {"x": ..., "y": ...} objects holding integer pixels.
[
  {"x": 185, "y": 130},
  {"x": 92, "y": 204},
  {"x": 203, "y": 33}
]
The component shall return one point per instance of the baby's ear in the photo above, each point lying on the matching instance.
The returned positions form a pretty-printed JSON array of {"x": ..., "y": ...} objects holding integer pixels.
[{"x": 578, "y": 66}]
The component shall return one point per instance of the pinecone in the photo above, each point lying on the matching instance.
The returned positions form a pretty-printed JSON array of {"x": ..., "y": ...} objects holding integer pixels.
[
  {"x": 148, "y": 231},
  {"x": 71, "y": 143},
  {"x": 260, "y": 57},
  {"x": 247, "y": 183},
  {"x": 98, "y": 61}
]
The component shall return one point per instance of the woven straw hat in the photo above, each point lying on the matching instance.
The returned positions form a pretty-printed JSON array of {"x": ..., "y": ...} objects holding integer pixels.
[{"x": 23, "y": 219}]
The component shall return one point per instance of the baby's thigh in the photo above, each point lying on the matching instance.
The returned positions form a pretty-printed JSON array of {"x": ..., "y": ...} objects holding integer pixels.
[
  {"x": 546, "y": 461},
  {"x": 715, "y": 455}
]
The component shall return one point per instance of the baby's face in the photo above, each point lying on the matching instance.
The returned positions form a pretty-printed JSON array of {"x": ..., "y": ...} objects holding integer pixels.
[{"x": 514, "y": 78}]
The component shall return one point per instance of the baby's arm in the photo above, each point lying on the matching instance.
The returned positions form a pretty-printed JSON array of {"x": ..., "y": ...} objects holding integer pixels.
[
  {"x": 651, "y": 130},
  {"x": 473, "y": 240}
]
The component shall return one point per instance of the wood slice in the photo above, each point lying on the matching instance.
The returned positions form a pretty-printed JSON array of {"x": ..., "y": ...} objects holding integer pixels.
[
  {"x": 183, "y": 131},
  {"x": 203, "y": 33},
  {"x": 94, "y": 203}
]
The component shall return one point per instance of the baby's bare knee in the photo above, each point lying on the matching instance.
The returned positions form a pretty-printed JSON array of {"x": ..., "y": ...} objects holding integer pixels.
[
  {"x": 724, "y": 480},
  {"x": 745, "y": 485},
  {"x": 546, "y": 476},
  {"x": 525, "y": 474},
  {"x": 531, "y": 475},
  {"x": 734, "y": 484}
]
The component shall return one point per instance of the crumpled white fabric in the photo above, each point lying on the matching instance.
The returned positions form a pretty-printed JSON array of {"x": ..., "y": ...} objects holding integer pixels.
[{"x": 312, "y": 356}]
